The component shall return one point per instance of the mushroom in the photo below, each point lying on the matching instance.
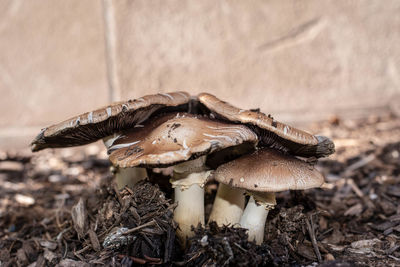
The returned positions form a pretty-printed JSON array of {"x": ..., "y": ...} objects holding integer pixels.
[
  {"x": 261, "y": 174},
  {"x": 105, "y": 122},
  {"x": 271, "y": 133},
  {"x": 181, "y": 140}
]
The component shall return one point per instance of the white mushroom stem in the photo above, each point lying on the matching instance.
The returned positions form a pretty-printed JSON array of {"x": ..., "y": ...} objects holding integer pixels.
[
  {"x": 190, "y": 209},
  {"x": 129, "y": 176},
  {"x": 188, "y": 180},
  {"x": 255, "y": 215},
  {"x": 228, "y": 205},
  {"x": 125, "y": 176}
]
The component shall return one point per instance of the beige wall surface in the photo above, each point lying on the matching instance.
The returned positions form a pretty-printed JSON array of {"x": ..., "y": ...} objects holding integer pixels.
[
  {"x": 52, "y": 64},
  {"x": 298, "y": 60}
]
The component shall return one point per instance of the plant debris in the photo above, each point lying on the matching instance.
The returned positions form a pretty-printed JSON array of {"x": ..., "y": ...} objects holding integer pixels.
[
  {"x": 60, "y": 208},
  {"x": 128, "y": 226},
  {"x": 224, "y": 246}
]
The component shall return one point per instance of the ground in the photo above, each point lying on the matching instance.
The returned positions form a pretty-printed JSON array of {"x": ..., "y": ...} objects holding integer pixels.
[{"x": 61, "y": 207}]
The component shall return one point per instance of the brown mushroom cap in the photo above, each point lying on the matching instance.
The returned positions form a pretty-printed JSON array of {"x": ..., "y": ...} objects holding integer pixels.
[
  {"x": 268, "y": 170},
  {"x": 94, "y": 125},
  {"x": 173, "y": 138},
  {"x": 271, "y": 132}
]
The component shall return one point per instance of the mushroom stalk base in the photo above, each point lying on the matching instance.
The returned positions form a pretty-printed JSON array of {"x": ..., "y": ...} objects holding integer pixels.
[
  {"x": 254, "y": 218},
  {"x": 188, "y": 180},
  {"x": 129, "y": 176},
  {"x": 190, "y": 210},
  {"x": 228, "y": 205},
  {"x": 125, "y": 176}
]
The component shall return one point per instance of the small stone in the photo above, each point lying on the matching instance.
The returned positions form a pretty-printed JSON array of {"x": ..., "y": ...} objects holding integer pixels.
[
  {"x": 204, "y": 241},
  {"x": 24, "y": 200},
  {"x": 57, "y": 178},
  {"x": 329, "y": 257}
]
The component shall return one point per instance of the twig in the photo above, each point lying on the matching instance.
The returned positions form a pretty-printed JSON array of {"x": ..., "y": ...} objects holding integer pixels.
[
  {"x": 228, "y": 250},
  {"x": 118, "y": 194},
  {"x": 355, "y": 188},
  {"x": 148, "y": 240},
  {"x": 240, "y": 247},
  {"x": 82, "y": 250},
  {"x": 153, "y": 222},
  {"x": 152, "y": 260},
  {"x": 361, "y": 163},
  {"x": 310, "y": 228},
  {"x": 129, "y": 190},
  {"x": 79, "y": 256},
  {"x": 393, "y": 257},
  {"x": 66, "y": 249}
]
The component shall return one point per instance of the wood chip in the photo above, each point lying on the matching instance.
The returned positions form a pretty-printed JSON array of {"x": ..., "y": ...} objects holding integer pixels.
[
  {"x": 94, "y": 240},
  {"x": 354, "y": 210},
  {"x": 72, "y": 263},
  {"x": 48, "y": 244},
  {"x": 79, "y": 218},
  {"x": 360, "y": 163},
  {"x": 11, "y": 166},
  {"x": 366, "y": 243}
]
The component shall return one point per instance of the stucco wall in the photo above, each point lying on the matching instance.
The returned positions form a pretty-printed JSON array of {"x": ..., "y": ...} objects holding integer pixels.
[{"x": 298, "y": 60}]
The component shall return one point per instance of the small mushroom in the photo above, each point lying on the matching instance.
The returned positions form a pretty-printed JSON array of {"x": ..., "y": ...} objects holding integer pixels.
[
  {"x": 181, "y": 140},
  {"x": 261, "y": 174},
  {"x": 271, "y": 133},
  {"x": 105, "y": 122}
]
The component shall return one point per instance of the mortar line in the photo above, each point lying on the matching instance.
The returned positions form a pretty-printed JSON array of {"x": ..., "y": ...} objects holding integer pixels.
[{"x": 114, "y": 90}]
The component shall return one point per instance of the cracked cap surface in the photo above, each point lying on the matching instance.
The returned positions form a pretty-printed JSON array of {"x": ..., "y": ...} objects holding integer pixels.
[{"x": 173, "y": 138}]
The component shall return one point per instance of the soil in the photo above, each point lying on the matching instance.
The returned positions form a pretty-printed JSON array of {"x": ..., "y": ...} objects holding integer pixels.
[{"x": 59, "y": 207}]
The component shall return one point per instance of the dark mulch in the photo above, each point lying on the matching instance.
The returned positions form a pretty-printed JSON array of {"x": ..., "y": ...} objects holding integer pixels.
[{"x": 60, "y": 207}]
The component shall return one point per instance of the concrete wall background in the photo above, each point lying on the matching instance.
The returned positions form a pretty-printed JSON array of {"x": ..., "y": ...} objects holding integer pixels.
[{"x": 298, "y": 60}]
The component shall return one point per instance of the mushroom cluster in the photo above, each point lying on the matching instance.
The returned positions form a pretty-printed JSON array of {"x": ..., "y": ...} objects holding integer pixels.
[{"x": 246, "y": 151}]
